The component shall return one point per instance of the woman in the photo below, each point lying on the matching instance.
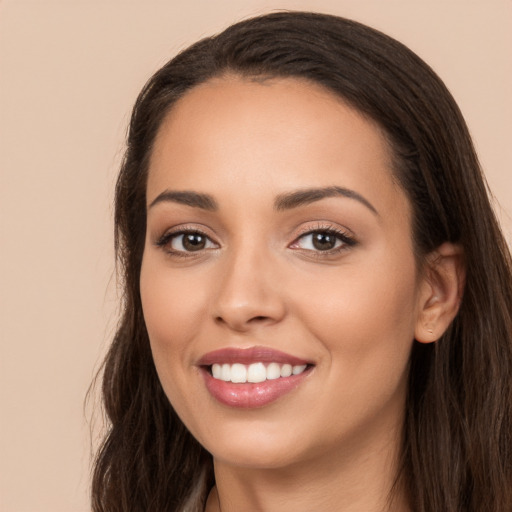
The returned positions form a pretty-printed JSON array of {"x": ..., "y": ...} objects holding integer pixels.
[{"x": 317, "y": 293}]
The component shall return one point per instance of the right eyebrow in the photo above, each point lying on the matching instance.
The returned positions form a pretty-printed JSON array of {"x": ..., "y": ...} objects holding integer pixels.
[
  {"x": 194, "y": 199},
  {"x": 310, "y": 195}
]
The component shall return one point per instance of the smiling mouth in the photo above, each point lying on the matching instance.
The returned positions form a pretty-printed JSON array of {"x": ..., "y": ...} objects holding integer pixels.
[
  {"x": 252, "y": 377},
  {"x": 256, "y": 372},
  {"x": 253, "y": 385}
]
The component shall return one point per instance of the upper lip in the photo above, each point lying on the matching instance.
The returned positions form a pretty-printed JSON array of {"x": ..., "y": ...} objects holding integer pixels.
[{"x": 249, "y": 355}]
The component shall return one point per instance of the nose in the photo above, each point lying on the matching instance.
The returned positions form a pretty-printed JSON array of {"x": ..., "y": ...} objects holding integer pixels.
[{"x": 250, "y": 293}]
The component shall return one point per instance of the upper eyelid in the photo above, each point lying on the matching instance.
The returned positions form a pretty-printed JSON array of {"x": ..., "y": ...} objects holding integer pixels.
[
  {"x": 185, "y": 228},
  {"x": 345, "y": 235},
  {"x": 318, "y": 226},
  {"x": 327, "y": 227}
]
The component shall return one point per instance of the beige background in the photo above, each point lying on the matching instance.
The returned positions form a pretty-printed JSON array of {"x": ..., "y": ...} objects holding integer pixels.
[{"x": 69, "y": 73}]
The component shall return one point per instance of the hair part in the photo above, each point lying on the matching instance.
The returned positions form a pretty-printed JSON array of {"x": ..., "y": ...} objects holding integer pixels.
[{"x": 456, "y": 451}]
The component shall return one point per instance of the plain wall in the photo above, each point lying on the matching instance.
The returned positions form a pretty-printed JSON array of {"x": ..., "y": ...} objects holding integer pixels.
[{"x": 69, "y": 74}]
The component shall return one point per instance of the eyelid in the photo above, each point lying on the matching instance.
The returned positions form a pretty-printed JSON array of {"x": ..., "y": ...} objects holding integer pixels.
[
  {"x": 166, "y": 238},
  {"x": 345, "y": 235}
]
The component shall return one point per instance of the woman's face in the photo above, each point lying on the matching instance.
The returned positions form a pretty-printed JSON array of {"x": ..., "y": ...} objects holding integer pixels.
[{"x": 277, "y": 243}]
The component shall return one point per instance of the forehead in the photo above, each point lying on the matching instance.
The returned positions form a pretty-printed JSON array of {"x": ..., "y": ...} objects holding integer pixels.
[{"x": 271, "y": 135}]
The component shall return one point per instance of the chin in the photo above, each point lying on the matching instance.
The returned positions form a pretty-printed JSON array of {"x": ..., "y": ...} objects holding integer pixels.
[
  {"x": 268, "y": 456},
  {"x": 255, "y": 447}
]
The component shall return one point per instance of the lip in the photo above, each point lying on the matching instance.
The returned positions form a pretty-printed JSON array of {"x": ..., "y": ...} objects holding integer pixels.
[
  {"x": 250, "y": 355},
  {"x": 251, "y": 395}
]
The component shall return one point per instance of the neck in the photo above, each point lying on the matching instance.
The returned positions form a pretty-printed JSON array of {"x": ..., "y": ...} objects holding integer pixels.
[{"x": 360, "y": 479}]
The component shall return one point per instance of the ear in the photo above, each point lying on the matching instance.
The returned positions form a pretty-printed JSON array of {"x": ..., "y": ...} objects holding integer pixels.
[{"x": 441, "y": 292}]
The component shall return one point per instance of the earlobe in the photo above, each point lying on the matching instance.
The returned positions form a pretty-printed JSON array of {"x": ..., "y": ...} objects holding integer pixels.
[{"x": 441, "y": 292}]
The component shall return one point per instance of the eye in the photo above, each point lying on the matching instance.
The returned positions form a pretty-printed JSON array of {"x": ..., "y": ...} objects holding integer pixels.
[
  {"x": 323, "y": 240},
  {"x": 186, "y": 241},
  {"x": 319, "y": 241}
]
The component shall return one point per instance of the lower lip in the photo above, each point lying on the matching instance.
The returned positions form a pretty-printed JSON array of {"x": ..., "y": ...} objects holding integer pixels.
[{"x": 252, "y": 395}]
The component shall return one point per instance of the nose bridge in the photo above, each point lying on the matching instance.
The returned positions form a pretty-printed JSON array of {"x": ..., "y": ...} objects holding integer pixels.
[{"x": 248, "y": 292}]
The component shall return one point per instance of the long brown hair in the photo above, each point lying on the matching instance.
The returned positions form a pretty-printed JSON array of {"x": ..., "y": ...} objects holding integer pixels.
[{"x": 456, "y": 448}]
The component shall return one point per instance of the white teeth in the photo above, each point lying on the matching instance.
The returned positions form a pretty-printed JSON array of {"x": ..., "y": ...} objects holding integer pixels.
[
  {"x": 286, "y": 370},
  {"x": 238, "y": 373},
  {"x": 217, "y": 371},
  {"x": 273, "y": 371},
  {"x": 256, "y": 372},
  {"x": 298, "y": 369},
  {"x": 226, "y": 372}
]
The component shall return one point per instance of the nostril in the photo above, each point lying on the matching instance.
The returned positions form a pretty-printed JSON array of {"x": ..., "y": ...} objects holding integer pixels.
[
  {"x": 239, "y": 323},
  {"x": 259, "y": 318}
]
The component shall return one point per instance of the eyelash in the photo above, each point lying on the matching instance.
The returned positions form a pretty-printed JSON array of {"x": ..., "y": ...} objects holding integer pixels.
[
  {"x": 347, "y": 240},
  {"x": 166, "y": 239}
]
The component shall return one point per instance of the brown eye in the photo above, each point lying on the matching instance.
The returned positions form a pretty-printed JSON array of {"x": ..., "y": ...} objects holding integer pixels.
[
  {"x": 190, "y": 242},
  {"x": 194, "y": 242},
  {"x": 328, "y": 241},
  {"x": 323, "y": 241}
]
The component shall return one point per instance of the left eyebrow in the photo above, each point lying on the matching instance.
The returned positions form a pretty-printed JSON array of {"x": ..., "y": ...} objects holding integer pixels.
[
  {"x": 193, "y": 199},
  {"x": 302, "y": 197}
]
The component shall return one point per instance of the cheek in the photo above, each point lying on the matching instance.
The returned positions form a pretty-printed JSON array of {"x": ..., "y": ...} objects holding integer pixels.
[
  {"x": 172, "y": 308},
  {"x": 171, "y": 305},
  {"x": 367, "y": 319},
  {"x": 367, "y": 330}
]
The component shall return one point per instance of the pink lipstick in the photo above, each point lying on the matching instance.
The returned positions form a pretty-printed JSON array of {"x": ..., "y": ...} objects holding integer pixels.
[{"x": 252, "y": 377}]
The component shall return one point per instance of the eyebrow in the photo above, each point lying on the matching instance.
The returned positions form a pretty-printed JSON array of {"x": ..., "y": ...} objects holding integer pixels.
[
  {"x": 194, "y": 199},
  {"x": 311, "y": 195},
  {"x": 282, "y": 202}
]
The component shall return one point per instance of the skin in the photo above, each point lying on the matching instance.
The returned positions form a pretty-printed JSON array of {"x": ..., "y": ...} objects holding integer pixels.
[{"x": 331, "y": 443}]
